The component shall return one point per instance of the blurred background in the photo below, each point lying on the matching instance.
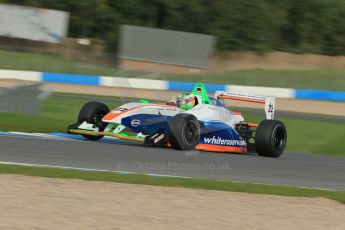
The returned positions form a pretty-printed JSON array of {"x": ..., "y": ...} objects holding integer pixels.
[
  {"x": 69, "y": 46},
  {"x": 259, "y": 42}
]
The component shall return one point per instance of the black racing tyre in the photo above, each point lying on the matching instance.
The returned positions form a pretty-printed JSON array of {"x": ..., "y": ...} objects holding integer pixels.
[
  {"x": 270, "y": 138},
  {"x": 184, "y": 133},
  {"x": 93, "y": 112}
]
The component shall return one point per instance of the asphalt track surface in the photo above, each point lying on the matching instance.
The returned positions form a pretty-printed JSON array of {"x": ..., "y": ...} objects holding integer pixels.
[{"x": 292, "y": 169}]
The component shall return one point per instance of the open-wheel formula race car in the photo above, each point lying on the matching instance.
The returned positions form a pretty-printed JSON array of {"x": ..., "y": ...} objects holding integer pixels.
[{"x": 191, "y": 121}]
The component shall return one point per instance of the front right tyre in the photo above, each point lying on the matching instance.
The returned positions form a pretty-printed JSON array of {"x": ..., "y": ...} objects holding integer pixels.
[{"x": 270, "y": 138}]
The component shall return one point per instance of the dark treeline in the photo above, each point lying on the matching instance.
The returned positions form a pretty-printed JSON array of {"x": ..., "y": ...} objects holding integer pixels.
[{"x": 303, "y": 26}]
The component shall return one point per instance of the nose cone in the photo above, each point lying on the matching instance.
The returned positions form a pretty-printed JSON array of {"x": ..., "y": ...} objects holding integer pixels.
[{"x": 111, "y": 116}]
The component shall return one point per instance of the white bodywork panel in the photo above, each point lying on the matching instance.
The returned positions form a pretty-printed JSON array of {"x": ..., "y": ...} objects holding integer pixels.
[
  {"x": 201, "y": 112},
  {"x": 131, "y": 109},
  {"x": 215, "y": 113},
  {"x": 88, "y": 126}
]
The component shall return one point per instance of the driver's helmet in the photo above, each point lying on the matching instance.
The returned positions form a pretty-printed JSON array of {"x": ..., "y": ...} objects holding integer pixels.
[{"x": 186, "y": 100}]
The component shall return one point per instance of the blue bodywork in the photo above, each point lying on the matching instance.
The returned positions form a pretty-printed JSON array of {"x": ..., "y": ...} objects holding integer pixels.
[
  {"x": 212, "y": 132},
  {"x": 146, "y": 123},
  {"x": 219, "y": 133}
]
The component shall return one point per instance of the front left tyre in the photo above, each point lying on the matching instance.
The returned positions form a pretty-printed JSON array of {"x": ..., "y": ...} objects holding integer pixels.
[
  {"x": 93, "y": 112},
  {"x": 184, "y": 132}
]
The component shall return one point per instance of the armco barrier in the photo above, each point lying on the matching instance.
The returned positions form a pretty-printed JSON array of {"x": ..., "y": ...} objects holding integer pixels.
[
  {"x": 71, "y": 79},
  {"x": 139, "y": 83},
  {"x": 21, "y": 75},
  {"x": 319, "y": 95}
]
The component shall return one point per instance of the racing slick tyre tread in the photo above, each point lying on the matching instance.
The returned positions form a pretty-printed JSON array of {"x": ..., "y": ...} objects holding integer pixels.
[
  {"x": 184, "y": 133},
  {"x": 92, "y": 112},
  {"x": 270, "y": 138}
]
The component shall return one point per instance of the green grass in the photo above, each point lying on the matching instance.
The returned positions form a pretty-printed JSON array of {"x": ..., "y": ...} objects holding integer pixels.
[
  {"x": 172, "y": 182},
  {"x": 57, "y": 113},
  {"x": 309, "y": 79},
  {"x": 303, "y": 135},
  {"x": 306, "y": 136},
  {"x": 315, "y": 137}
]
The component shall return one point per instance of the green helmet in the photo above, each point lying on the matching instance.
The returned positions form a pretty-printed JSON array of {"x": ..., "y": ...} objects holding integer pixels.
[
  {"x": 197, "y": 96},
  {"x": 186, "y": 100}
]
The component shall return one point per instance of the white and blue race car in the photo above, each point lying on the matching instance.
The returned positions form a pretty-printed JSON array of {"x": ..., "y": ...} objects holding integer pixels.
[{"x": 192, "y": 121}]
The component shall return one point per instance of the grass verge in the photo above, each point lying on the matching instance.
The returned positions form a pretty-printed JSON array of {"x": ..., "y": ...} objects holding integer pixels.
[
  {"x": 49, "y": 63},
  {"x": 309, "y": 79},
  {"x": 303, "y": 135},
  {"x": 172, "y": 182},
  {"x": 57, "y": 113}
]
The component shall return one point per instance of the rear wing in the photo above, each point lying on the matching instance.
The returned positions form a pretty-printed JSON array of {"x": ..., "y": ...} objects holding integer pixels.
[{"x": 269, "y": 102}]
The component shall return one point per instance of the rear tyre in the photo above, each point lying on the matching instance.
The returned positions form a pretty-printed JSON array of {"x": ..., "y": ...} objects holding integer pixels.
[
  {"x": 184, "y": 133},
  {"x": 93, "y": 112},
  {"x": 270, "y": 138}
]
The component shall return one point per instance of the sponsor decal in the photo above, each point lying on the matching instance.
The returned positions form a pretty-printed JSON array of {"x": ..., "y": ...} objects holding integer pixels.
[
  {"x": 220, "y": 141},
  {"x": 135, "y": 122},
  {"x": 119, "y": 110}
]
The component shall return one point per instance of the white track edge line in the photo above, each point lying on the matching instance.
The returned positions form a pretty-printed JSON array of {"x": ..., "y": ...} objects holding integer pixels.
[{"x": 57, "y": 138}]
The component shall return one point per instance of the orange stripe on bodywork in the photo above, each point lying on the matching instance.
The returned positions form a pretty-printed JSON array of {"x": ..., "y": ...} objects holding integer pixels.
[
  {"x": 236, "y": 113},
  {"x": 111, "y": 115},
  {"x": 252, "y": 125},
  {"x": 243, "y": 99},
  {"x": 220, "y": 148},
  {"x": 80, "y": 131}
]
